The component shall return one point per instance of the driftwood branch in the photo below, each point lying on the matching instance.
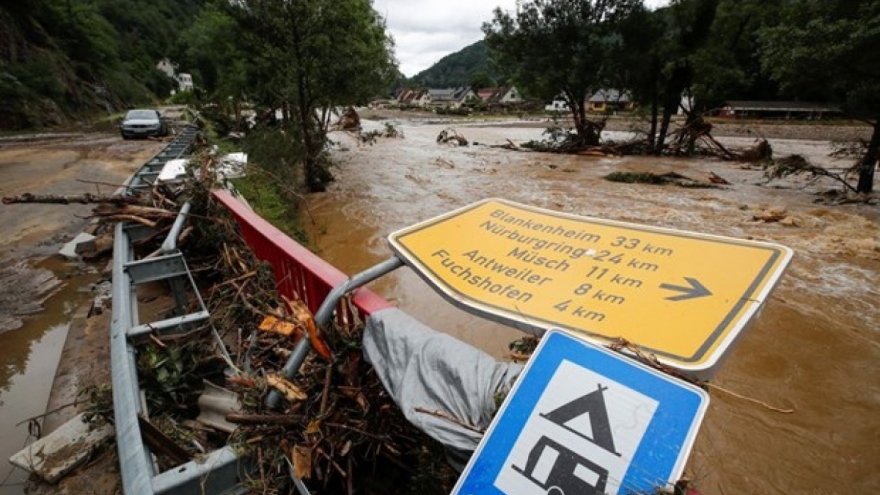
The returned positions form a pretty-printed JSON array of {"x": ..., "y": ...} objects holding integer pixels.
[
  {"x": 84, "y": 199},
  {"x": 263, "y": 419}
]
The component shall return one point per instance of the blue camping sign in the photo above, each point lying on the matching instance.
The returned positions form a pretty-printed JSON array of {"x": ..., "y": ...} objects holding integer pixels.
[{"x": 585, "y": 420}]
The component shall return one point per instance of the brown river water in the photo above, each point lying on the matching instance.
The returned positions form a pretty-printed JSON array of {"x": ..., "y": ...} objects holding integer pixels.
[{"x": 815, "y": 348}]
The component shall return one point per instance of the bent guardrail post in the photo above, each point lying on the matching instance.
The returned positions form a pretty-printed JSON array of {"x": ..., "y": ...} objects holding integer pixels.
[
  {"x": 170, "y": 243},
  {"x": 325, "y": 313}
]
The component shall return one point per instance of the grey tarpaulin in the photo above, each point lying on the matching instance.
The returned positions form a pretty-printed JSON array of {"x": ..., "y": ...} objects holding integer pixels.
[{"x": 425, "y": 369}]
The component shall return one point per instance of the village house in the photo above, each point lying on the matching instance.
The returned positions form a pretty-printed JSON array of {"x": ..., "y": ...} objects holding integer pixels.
[
  {"x": 166, "y": 66},
  {"x": 451, "y": 97},
  {"x": 505, "y": 95},
  {"x": 184, "y": 81},
  {"x": 408, "y": 97},
  {"x": 557, "y": 104},
  {"x": 604, "y": 100},
  {"x": 610, "y": 100}
]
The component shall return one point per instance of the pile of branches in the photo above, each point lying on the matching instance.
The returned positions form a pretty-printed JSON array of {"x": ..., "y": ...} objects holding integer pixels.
[
  {"x": 797, "y": 165},
  {"x": 566, "y": 141},
  {"x": 337, "y": 428}
]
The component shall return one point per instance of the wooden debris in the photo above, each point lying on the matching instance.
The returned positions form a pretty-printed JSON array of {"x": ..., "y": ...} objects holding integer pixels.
[
  {"x": 717, "y": 179},
  {"x": 85, "y": 198},
  {"x": 301, "y": 313},
  {"x": 161, "y": 443},
  {"x": 262, "y": 419},
  {"x": 291, "y": 391},
  {"x": 273, "y": 324},
  {"x": 302, "y": 461},
  {"x": 451, "y": 136},
  {"x": 769, "y": 215},
  {"x": 348, "y": 121},
  {"x": 759, "y": 152},
  {"x": 450, "y": 418}
]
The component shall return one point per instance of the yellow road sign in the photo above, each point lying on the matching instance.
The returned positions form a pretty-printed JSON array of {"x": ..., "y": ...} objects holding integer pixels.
[{"x": 684, "y": 296}]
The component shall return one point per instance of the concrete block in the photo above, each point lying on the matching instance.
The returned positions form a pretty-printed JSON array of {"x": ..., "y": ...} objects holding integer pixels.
[{"x": 58, "y": 453}]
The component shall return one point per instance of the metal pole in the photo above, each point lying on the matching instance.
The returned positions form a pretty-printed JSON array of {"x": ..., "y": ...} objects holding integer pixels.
[
  {"x": 170, "y": 243},
  {"x": 325, "y": 313}
]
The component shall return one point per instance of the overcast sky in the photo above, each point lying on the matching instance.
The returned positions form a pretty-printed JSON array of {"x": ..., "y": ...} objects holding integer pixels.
[{"x": 427, "y": 30}]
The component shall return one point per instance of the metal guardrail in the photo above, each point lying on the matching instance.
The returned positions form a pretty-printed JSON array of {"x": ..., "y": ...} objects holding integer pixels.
[
  {"x": 298, "y": 272},
  {"x": 218, "y": 472}
]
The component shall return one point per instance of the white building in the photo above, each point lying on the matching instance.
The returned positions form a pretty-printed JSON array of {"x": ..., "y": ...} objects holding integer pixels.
[
  {"x": 185, "y": 81},
  {"x": 167, "y": 67},
  {"x": 559, "y": 104}
]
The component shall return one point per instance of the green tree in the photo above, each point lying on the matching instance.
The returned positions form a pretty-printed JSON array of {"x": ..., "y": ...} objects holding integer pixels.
[
  {"x": 310, "y": 56},
  {"x": 563, "y": 46},
  {"x": 667, "y": 69},
  {"x": 481, "y": 79},
  {"x": 210, "y": 48},
  {"x": 728, "y": 66},
  {"x": 828, "y": 48}
]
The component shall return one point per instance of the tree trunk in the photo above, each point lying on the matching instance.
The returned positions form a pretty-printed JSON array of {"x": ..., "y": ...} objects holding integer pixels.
[
  {"x": 664, "y": 127},
  {"x": 655, "y": 110},
  {"x": 586, "y": 130},
  {"x": 869, "y": 162}
]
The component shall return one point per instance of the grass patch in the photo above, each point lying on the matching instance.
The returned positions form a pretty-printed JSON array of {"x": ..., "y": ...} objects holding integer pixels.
[
  {"x": 272, "y": 202},
  {"x": 637, "y": 178}
]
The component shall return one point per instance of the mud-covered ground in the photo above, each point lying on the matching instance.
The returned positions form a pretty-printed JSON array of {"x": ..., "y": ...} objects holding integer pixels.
[
  {"x": 71, "y": 164},
  {"x": 40, "y": 292}
]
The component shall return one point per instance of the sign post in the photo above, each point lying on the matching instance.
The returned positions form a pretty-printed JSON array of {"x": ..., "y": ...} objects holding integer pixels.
[
  {"x": 584, "y": 420},
  {"x": 686, "y": 297}
]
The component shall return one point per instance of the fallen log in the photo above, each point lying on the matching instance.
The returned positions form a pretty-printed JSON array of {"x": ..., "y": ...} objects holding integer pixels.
[
  {"x": 105, "y": 210},
  {"x": 263, "y": 419},
  {"x": 161, "y": 443},
  {"x": 84, "y": 199}
]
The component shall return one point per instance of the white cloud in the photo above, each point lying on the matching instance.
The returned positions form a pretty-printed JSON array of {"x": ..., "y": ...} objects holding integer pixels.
[{"x": 427, "y": 30}]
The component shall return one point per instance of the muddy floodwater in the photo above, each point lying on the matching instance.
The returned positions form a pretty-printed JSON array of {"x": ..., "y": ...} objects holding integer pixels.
[{"x": 814, "y": 349}]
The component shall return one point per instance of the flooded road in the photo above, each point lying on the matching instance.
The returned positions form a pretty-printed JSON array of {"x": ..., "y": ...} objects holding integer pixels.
[
  {"x": 814, "y": 349},
  {"x": 39, "y": 291}
]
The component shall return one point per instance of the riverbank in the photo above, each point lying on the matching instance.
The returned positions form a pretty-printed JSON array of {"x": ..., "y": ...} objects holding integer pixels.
[{"x": 767, "y": 129}]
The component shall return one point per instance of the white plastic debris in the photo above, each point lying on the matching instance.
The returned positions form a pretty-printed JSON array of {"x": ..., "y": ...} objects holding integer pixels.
[
  {"x": 69, "y": 250},
  {"x": 173, "y": 170},
  {"x": 232, "y": 166}
]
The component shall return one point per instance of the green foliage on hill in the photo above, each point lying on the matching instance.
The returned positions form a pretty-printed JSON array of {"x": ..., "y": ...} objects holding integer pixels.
[
  {"x": 60, "y": 59},
  {"x": 469, "y": 65}
]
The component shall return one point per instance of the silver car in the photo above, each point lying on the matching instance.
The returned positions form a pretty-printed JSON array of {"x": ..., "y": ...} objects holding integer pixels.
[{"x": 143, "y": 123}]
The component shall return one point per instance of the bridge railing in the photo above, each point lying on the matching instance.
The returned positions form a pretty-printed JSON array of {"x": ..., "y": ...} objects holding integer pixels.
[{"x": 299, "y": 273}]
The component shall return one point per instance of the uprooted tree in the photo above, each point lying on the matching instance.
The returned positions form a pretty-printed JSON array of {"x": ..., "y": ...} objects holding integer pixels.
[{"x": 829, "y": 48}]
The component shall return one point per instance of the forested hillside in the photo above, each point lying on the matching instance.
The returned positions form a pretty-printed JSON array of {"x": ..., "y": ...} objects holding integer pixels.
[
  {"x": 468, "y": 66},
  {"x": 60, "y": 59}
]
